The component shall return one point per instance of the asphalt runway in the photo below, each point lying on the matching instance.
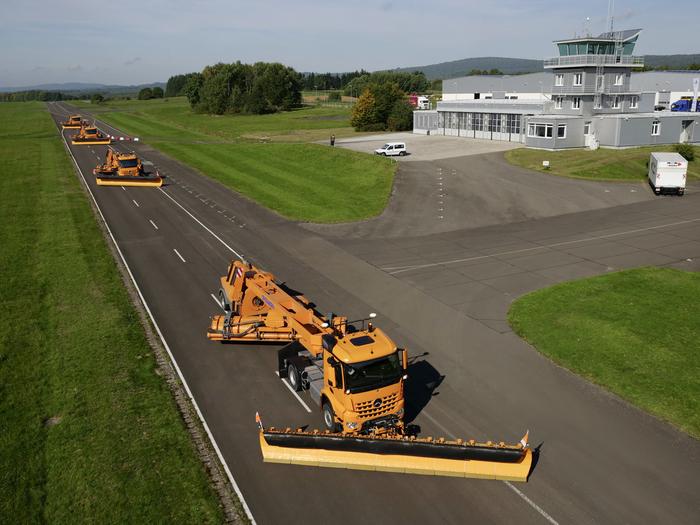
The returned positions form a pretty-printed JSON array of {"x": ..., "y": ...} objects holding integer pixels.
[{"x": 600, "y": 461}]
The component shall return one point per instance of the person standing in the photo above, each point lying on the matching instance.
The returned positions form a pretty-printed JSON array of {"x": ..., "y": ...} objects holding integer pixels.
[{"x": 332, "y": 140}]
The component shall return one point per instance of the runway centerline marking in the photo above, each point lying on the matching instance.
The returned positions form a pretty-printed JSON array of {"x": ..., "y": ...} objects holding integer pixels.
[
  {"x": 153, "y": 224},
  {"x": 400, "y": 269},
  {"x": 202, "y": 224},
  {"x": 294, "y": 392},
  {"x": 137, "y": 204},
  {"x": 527, "y": 500},
  {"x": 180, "y": 256}
]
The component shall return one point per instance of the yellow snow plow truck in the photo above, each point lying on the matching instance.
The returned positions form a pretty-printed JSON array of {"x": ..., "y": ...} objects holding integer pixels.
[
  {"x": 124, "y": 169},
  {"x": 356, "y": 374},
  {"x": 89, "y": 135},
  {"x": 73, "y": 122}
]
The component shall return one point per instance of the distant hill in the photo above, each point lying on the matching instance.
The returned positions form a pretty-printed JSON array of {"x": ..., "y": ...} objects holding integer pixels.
[
  {"x": 510, "y": 66},
  {"x": 82, "y": 87},
  {"x": 672, "y": 61},
  {"x": 458, "y": 68}
]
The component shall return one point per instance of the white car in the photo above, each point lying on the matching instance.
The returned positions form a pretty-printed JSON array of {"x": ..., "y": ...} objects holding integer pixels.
[{"x": 392, "y": 148}]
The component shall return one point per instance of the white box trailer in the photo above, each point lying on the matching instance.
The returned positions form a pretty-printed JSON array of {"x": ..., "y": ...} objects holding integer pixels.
[{"x": 667, "y": 172}]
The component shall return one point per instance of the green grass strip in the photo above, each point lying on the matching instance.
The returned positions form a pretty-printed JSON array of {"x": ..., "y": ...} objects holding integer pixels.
[
  {"x": 602, "y": 164},
  {"x": 635, "y": 332},
  {"x": 90, "y": 432},
  {"x": 301, "y": 181}
]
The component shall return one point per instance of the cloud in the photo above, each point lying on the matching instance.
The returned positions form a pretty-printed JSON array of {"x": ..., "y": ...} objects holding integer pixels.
[
  {"x": 132, "y": 61},
  {"x": 76, "y": 67}
]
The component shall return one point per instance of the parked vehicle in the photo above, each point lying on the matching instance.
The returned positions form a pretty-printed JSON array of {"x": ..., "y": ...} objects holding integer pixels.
[
  {"x": 423, "y": 103},
  {"x": 667, "y": 173},
  {"x": 391, "y": 149},
  {"x": 684, "y": 104}
]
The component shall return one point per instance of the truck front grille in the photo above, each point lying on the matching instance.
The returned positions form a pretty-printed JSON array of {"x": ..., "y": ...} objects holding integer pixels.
[{"x": 368, "y": 410}]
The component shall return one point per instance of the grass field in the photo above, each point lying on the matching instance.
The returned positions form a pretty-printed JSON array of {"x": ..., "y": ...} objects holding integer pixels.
[
  {"x": 635, "y": 332},
  {"x": 172, "y": 119},
  {"x": 601, "y": 164},
  {"x": 90, "y": 432},
  {"x": 266, "y": 157}
]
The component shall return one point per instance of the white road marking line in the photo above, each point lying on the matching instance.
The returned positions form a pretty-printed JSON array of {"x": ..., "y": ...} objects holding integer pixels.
[
  {"x": 153, "y": 224},
  {"x": 202, "y": 224},
  {"x": 215, "y": 300},
  {"x": 180, "y": 256},
  {"x": 508, "y": 483},
  {"x": 235, "y": 486},
  {"x": 401, "y": 269},
  {"x": 532, "y": 504},
  {"x": 137, "y": 204},
  {"x": 123, "y": 188},
  {"x": 294, "y": 392}
]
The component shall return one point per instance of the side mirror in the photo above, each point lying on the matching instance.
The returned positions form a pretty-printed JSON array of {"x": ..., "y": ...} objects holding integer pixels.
[{"x": 403, "y": 355}]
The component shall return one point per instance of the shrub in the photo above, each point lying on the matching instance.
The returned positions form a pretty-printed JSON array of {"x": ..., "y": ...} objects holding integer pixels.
[
  {"x": 686, "y": 150},
  {"x": 334, "y": 96}
]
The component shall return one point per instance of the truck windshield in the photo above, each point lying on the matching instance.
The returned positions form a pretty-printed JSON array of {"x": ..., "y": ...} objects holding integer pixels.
[
  {"x": 360, "y": 377},
  {"x": 128, "y": 163}
]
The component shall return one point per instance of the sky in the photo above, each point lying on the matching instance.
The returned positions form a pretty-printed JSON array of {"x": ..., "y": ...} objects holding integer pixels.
[{"x": 140, "y": 41}]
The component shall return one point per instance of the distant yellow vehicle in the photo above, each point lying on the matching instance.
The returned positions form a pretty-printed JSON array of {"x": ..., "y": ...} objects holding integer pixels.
[
  {"x": 73, "y": 122},
  {"x": 124, "y": 169},
  {"x": 89, "y": 135}
]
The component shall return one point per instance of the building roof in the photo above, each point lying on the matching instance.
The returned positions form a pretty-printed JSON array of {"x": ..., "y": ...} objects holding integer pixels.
[
  {"x": 625, "y": 35},
  {"x": 663, "y": 80},
  {"x": 645, "y": 81},
  {"x": 528, "y": 83}
]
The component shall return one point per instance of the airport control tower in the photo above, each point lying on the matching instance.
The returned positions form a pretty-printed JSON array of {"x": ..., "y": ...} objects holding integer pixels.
[{"x": 592, "y": 74}]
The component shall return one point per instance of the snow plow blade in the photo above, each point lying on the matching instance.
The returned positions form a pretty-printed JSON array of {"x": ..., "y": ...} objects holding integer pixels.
[
  {"x": 464, "y": 459},
  {"x": 120, "y": 180},
  {"x": 90, "y": 142}
]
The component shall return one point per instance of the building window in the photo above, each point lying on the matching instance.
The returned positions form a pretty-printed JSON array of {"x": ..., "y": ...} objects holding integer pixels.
[
  {"x": 587, "y": 128},
  {"x": 616, "y": 102},
  {"x": 656, "y": 128},
  {"x": 619, "y": 79},
  {"x": 558, "y": 80},
  {"x": 634, "y": 102},
  {"x": 576, "y": 103},
  {"x": 578, "y": 79},
  {"x": 536, "y": 129},
  {"x": 561, "y": 131},
  {"x": 557, "y": 102}
]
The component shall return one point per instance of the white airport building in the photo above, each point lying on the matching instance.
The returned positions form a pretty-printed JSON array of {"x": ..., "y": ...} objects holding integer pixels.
[{"x": 588, "y": 96}]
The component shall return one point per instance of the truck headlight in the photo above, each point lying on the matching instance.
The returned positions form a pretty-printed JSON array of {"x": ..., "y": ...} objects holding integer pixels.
[{"x": 351, "y": 425}]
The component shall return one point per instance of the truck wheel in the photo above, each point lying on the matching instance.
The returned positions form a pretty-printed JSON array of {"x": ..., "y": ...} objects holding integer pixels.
[
  {"x": 681, "y": 192},
  {"x": 293, "y": 377},
  {"x": 329, "y": 417}
]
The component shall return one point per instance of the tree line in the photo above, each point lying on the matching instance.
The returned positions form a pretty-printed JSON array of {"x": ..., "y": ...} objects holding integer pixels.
[
  {"x": 328, "y": 81},
  {"x": 27, "y": 96},
  {"x": 415, "y": 82},
  {"x": 382, "y": 106},
  {"x": 240, "y": 88}
]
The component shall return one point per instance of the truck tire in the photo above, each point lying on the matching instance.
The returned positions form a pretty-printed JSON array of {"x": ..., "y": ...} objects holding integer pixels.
[
  {"x": 293, "y": 377},
  {"x": 681, "y": 192},
  {"x": 329, "y": 417}
]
